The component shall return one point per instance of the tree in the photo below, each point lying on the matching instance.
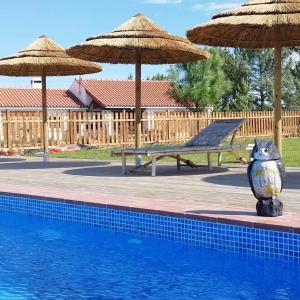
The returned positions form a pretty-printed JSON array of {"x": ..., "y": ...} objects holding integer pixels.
[
  {"x": 262, "y": 67},
  {"x": 238, "y": 79},
  {"x": 292, "y": 89},
  {"x": 158, "y": 76},
  {"x": 290, "y": 83},
  {"x": 236, "y": 69},
  {"x": 261, "y": 63},
  {"x": 251, "y": 73},
  {"x": 202, "y": 82},
  {"x": 130, "y": 77}
]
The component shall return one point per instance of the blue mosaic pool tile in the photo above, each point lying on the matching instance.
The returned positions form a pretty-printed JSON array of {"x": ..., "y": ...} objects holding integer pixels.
[{"x": 248, "y": 240}]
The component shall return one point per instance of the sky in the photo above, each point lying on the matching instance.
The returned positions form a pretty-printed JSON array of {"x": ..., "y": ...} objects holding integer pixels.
[{"x": 69, "y": 22}]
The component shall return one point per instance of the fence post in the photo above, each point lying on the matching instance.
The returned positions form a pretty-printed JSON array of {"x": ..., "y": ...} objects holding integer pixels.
[
  {"x": 1, "y": 130},
  {"x": 70, "y": 127},
  {"x": 123, "y": 127},
  {"x": 8, "y": 129},
  {"x": 169, "y": 127}
]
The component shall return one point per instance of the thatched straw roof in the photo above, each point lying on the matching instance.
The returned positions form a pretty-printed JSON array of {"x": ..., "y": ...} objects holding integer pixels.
[
  {"x": 119, "y": 46},
  {"x": 256, "y": 24},
  {"x": 45, "y": 57}
]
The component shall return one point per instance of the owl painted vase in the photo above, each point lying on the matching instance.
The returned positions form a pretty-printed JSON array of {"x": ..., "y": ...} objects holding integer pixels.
[{"x": 266, "y": 174}]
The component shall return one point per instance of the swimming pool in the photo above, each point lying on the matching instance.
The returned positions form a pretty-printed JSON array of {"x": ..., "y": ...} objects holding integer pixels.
[{"x": 64, "y": 251}]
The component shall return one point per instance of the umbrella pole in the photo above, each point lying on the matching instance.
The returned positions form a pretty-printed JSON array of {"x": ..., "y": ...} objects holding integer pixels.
[
  {"x": 138, "y": 106},
  {"x": 45, "y": 119},
  {"x": 277, "y": 99}
]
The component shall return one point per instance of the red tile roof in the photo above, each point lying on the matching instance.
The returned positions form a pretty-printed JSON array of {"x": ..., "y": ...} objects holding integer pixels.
[
  {"x": 120, "y": 93},
  {"x": 29, "y": 98}
]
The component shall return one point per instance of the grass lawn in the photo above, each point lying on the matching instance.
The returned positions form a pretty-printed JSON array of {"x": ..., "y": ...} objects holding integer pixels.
[{"x": 291, "y": 156}]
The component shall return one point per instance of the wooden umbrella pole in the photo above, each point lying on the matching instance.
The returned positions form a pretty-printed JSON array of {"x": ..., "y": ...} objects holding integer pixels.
[
  {"x": 45, "y": 118},
  {"x": 277, "y": 99},
  {"x": 138, "y": 105}
]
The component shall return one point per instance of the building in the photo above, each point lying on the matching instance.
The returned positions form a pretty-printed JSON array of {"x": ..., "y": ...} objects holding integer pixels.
[
  {"x": 118, "y": 95},
  {"x": 107, "y": 96},
  {"x": 30, "y": 99},
  {"x": 91, "y": 95}
]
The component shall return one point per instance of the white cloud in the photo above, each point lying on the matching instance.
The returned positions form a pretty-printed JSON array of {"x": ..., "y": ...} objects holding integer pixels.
[
  {"x": 163, "y": 1},
  {"x": 213, "y": 6}
]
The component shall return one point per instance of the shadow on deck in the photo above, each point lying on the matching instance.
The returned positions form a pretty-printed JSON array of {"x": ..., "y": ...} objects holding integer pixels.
[
  {"x": 30, "y": 165},
  {"x": 168, "y": 170},
  {"x": 292, "y": 180}
]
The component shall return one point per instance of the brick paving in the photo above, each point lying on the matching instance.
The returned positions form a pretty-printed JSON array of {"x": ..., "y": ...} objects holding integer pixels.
[{"x": 223, "y": 195}]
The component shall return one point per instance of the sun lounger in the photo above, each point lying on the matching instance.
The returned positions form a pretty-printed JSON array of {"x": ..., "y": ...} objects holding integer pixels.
[{"x": 207, "y": 141}]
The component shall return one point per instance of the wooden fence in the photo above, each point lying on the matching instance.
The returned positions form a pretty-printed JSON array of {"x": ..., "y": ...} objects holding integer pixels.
[{"x": 23, "y": 129}]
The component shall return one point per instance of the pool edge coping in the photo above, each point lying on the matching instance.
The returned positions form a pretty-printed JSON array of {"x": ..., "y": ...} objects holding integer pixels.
[{"x": 163, "y": 212}]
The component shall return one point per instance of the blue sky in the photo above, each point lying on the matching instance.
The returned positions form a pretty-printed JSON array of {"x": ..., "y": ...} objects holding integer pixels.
[{"x": 69, "y": 22}]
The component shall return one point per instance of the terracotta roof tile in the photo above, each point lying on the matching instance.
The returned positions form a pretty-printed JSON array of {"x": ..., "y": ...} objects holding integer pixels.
[
  {"x": 28, "y": 97},
  {"x": 121, "y": 93}
]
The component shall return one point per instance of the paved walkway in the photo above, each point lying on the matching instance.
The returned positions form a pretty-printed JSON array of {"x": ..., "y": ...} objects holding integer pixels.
[{"x": 225, "y": 193}]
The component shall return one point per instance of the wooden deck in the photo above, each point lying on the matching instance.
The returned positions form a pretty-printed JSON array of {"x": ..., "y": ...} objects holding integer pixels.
[{"x": 222, "y": 194}]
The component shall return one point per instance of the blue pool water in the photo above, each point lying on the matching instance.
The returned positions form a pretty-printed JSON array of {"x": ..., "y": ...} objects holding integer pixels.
[{"x": 46, "y": 259}]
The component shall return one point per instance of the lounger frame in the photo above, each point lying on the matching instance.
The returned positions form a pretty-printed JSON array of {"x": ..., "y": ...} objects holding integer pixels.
[{"x": 157, "y": 153}]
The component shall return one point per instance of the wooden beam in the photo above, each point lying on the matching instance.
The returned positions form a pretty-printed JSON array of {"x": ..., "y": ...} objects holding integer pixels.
[
  {"x": 8, "y": 133},
  {"x": 124, "y": 167},
  {"x": 138, "y": 105},
  {"x": 153, "y": 170},
  {"x": 277, "y": 99},
  {"x": 45, "y": 118}
]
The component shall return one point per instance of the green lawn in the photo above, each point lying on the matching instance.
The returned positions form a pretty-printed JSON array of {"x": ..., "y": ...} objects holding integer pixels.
[{"x": 291, "y": 156}]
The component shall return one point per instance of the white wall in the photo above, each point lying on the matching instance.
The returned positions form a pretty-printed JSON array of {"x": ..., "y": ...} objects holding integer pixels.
[
  {"x": 79, "y": 91},
  {"x": 36, "y": 83},
  {"x": 162, "y": 109},
  {"x": 1, "y": 129}
]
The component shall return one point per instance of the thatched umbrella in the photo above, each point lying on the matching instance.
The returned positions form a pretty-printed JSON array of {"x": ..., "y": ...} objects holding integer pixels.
[
  {"x": 44, "y": 57},
  {"x": 138, "y": 41},
  {"x": 256, "y": 24}
]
